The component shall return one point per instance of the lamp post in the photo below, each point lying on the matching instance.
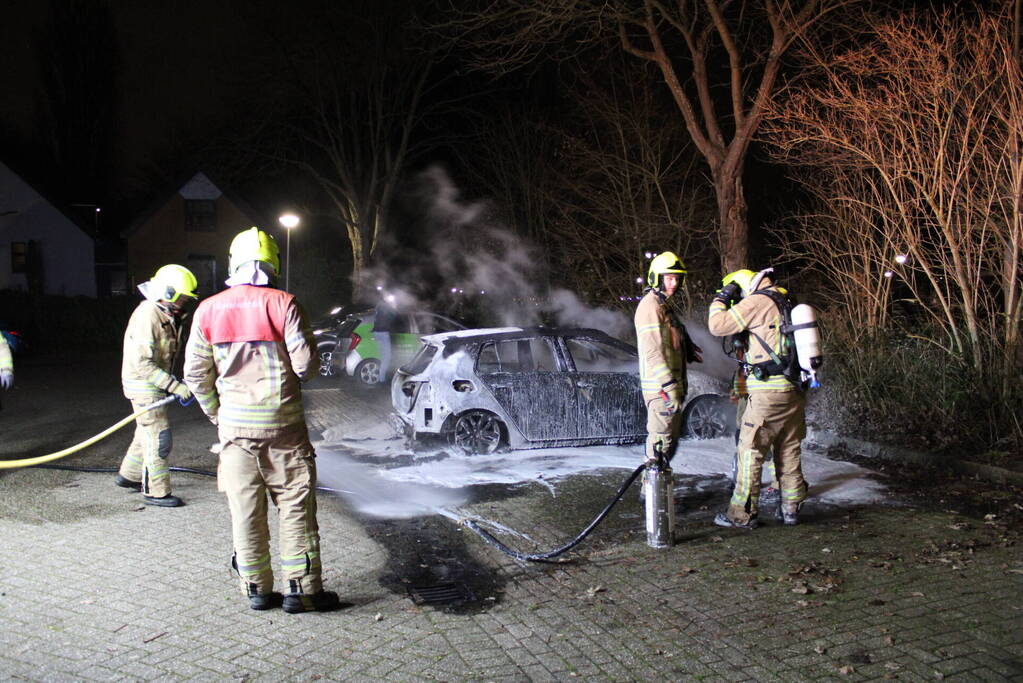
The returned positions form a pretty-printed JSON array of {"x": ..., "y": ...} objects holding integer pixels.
[{"x": 289, "y": 221}]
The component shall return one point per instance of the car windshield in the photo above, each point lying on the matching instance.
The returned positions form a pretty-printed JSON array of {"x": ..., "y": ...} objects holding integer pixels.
[{"x": 595, "y": 356}]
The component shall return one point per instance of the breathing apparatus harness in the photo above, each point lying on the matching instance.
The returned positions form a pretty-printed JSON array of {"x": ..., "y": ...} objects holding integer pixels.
[{"x": 787, "y": 363}]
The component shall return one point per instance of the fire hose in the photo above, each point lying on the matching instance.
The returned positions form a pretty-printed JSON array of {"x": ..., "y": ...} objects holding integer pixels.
[
  {"x": 30, "y": 462},
  {"x": 551, "y": 554}
]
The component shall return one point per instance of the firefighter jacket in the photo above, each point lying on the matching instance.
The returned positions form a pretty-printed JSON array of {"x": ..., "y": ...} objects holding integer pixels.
[
  {"x": 6, "y": 364},
  {"x": 249, "y": 350},
  {"x": 151, "y": 344},
  {"x": 759, "y": 315},
  {"x": 661, "y": 357}
]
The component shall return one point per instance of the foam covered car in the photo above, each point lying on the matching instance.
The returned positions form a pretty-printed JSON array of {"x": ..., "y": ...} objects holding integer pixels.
[{"x": 532, "y": 387}]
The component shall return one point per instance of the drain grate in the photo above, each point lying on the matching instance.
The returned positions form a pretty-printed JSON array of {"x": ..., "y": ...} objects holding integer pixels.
[{"x": 440, "y": 594}]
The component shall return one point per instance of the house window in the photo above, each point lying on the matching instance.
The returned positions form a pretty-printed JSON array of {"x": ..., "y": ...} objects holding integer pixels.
[
  {"x": 19, "y": 257},
  {"x": 201, "y": 215},
  {"x": 205, "y": 270}
]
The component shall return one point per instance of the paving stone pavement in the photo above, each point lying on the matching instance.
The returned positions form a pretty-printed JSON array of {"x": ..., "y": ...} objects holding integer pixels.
[{"x": 95, "y": 586}]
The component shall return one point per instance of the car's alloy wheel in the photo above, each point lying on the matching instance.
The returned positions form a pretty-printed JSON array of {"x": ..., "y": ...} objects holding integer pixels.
[
  {"x": 708, "y": 416},
  {"x": 368, "y": 372},
  {"x": 476, "y": 431},
  {"x": 327, "y": 364}
]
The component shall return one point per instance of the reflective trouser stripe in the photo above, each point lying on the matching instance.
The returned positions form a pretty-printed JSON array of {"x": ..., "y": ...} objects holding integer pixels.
[
  {"x": 282, "y": 467},
  {"x": 146, "y": 458},
  {"x": 252, "y": 572},
  {"x": 748, "y": 472}
]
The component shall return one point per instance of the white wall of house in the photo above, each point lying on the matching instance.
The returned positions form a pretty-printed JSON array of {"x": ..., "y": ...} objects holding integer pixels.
[{"x": 66, "y": 252}]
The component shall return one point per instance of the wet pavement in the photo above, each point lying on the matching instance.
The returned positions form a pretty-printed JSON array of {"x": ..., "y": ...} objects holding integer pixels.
[{"x": 920, "y": 580}]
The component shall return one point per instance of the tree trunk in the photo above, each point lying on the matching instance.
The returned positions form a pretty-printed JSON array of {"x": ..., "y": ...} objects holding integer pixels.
[{"x": 733, "y": 231}]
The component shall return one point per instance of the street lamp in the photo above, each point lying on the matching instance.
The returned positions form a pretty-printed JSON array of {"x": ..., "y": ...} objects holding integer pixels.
[{"x": 289, "y": 221}]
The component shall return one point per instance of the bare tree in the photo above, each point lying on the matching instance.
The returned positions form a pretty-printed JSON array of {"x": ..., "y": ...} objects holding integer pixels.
[
  {"x": 611, "y": 177},
  {"x": 352, "y": 113},
  {"x": 915, "y": 134},
  {"x": 697, "y": 45},
  {"x": 625, "y": 184}
]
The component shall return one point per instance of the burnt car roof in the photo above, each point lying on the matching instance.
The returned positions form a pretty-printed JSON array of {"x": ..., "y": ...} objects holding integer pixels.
[{"x": 461, "y": 338}]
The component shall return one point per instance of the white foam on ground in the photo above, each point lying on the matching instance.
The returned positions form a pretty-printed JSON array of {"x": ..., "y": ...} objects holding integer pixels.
[
  {"x": 439, "y": 478},
  {"x": 368, "y": 492}
]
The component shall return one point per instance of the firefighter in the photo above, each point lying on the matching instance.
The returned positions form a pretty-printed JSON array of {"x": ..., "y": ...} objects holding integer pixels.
[
  {"x": 774, "y": 418},
  {"x": 663, "y": 350},
  {"x": 6, "y": 365},
  {"x": 249, "y": 350},
  {"x": 151, "y": 344}
]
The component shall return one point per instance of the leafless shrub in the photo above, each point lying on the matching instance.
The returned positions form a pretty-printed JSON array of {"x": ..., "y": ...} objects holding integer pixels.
[{"x": 912, "y": 141}]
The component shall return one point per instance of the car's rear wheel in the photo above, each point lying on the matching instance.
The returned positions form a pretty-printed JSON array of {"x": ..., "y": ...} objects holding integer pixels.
[
  {"x": 476, "y": 431},
  {"x": 368, "y": 372},
  {"x": 708, "y": 416}
]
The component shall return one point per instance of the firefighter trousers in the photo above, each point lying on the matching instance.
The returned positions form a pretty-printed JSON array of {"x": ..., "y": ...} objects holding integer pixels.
[
  {"x": 146, "y": 458},
  {"x": 740, "y": 410},
  {"x": 282, "y": 467},
  {"x": 773, "y": 422},
  {"x": 662, "y": 426}
]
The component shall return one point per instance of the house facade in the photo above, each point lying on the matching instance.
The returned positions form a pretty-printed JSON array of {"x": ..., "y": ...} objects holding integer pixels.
[
  {"x": 192, "y": 227},
  {"x": 42, "y": 249}
]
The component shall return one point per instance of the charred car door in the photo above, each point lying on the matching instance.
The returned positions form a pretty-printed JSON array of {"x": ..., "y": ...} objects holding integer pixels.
[
  {"x": 609, "y": 403},
  {"x": 527, "y": 379}
]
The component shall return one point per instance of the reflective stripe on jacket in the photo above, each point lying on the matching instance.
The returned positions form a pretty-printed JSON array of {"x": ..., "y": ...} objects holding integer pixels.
[
  {"x": 249, "y": 350},
  {"x": 759, "y": 315},
  {"x": 151, "y": 343},
  {"x": 660, "y": 347},
  {"x": 6, "y": 363}
]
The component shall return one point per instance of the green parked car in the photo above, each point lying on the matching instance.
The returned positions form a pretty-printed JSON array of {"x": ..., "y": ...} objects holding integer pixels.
[{"x": 367, "y": 353}]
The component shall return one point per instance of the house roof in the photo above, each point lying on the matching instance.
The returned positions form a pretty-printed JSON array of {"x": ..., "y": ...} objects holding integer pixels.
[
  {"x": 64, "y": 208},
  {"x": 195, "y": 178}
]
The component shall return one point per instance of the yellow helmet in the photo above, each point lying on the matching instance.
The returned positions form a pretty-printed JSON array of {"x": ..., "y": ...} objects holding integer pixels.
[
  {"x": 254, "y": 245},
  {"x": 746, "y": 279},
  {"x": 172, "y": 282},
  {"x": 662, "y": 264},
  {"x": 743, "y": 278}
]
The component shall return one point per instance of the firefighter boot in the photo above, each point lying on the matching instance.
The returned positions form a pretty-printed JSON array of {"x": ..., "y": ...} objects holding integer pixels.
[
  {"x": 127, "y": 483},
  {"x": 789, "y": 513},
  {"x": 721, "y": 519},
  {"x": 296, "y": 601},
  {"x": 262, "y": 601},
  {"x": 167, "y": 501}
]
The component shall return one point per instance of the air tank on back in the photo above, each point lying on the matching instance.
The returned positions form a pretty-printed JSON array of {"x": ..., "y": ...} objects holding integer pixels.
[{"x": 808, "y": 342}]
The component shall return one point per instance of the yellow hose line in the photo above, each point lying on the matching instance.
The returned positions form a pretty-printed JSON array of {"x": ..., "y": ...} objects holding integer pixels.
[{"x": 28, "y": 462}]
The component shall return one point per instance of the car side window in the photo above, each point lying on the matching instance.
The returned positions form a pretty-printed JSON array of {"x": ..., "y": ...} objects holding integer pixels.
[
  {"x": 518, "y": 355},
  {"x": 543, "y": 355},
  {"x": 595, "y": 356},
  {"x": 498, "y": 357}
]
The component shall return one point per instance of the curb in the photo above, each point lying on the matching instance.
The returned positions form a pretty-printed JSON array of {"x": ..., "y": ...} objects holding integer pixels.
[{"x": 991, "y": 473}]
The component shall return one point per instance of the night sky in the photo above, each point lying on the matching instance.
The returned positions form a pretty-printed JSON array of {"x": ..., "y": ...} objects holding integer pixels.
[{"x": 188, "y": 69}]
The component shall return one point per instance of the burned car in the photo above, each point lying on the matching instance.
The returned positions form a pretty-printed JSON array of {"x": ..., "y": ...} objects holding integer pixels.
[{"x": 530, "y": 388}]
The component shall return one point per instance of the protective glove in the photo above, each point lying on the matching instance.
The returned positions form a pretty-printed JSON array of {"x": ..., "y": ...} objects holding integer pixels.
[
  {"x": 6, "y": 379},
  {"x": 671, "y": 394},
  {"x": 729, "y": 294},
  {"x": 662, "y": 449},
  {"x": 182, "y": 391}
]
